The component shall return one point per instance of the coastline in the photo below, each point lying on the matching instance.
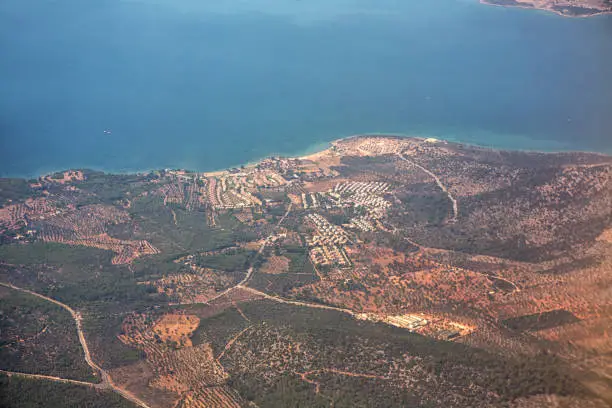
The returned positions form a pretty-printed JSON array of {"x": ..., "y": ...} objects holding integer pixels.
[
  {"x": 518, "y": 6},
  {"x": 319, "y": 149},
  {"x": 433, "y": 108}
]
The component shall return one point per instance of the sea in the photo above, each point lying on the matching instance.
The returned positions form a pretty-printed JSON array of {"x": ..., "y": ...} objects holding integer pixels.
[{"x": 135, "y": 85}]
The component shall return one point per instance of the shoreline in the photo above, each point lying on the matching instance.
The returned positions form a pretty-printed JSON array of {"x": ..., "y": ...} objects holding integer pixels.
[
  {"x": 314, "y": 151},
  {"x": 560, "y": 14}
]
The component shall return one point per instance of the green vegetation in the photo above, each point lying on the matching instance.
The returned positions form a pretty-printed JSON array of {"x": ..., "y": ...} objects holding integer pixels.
[
  {"x": 291, "y": 391},
  {"x": 109, "y": 188},
  {"x": 422, "y": 204},
  {"x": 541, "y": 321},
  {"x": 343, "y": 342},
  {"x": 217, "y": 329},
  {"x": 191, "y": 232},
  {"x": 39, "y": 337},
  {"x": 28, "y": 393},
  {"x": 58, "y": 175},
  {"x": 489, "y": 222},
  {"x": 511, "y": 205},
  {"x": 102, "y": 329},
  {"x": 233, "y": 260},
  {"x": 50, "y": 253},
  {"x": 286, "y": 391},
  {"x": 300, "y": 271},
  {"x": 337, "y": 341},
  {"x": 14, "y": 190},
  {"x": 298, "y": 257},
  {"x": 81, "y": 275}
]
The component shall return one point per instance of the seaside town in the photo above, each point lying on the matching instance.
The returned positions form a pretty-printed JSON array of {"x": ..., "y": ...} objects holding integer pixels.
[
  {"x": 200, "y": 276},
  {"x": 159, "y": 249}
]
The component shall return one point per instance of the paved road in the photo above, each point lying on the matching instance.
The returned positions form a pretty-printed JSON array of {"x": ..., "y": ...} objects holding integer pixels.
[{"x": 107, "y": 381}]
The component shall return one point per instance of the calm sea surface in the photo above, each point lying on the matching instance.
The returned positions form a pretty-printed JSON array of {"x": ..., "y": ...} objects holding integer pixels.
[{"x": 207, "y": 84}]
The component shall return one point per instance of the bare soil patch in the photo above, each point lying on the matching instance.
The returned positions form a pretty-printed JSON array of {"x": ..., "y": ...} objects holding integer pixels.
[{"x": 177, "y": 328}]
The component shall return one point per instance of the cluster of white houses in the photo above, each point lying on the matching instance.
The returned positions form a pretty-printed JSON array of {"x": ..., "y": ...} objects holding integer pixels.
[
  {"x": 354, "y": 187},
  {"x": 326, "y": 246},
  {"x": 329, "y": 255},
  {"x": 327, "y": 233}
]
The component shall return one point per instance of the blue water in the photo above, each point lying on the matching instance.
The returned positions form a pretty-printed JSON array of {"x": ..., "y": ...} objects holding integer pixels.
[{"x": 206, "y": 84}]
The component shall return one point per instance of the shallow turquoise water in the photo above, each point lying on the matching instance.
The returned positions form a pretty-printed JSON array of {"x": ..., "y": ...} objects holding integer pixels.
[{"x": 209, "y": 84}]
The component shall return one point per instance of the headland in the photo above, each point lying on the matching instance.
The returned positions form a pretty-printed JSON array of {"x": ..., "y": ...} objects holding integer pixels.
[
  {"x": 482, "y": 273},
  {"x": 565, "y": 8}
]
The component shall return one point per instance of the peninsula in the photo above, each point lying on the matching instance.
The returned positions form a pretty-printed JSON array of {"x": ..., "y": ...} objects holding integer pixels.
[
  {"x": 567, "y": 8},
  {"x": 383, "y": 271}
]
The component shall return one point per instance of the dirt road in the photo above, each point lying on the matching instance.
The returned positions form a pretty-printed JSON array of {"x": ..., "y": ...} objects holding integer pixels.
[
  {"x": 49, "y": 378},
  {"x": 296, "y": 302},
  {"x": 107, "y": 382},
  {"x": 439, "y": 183},
  {"x": 251, "y": 268}
]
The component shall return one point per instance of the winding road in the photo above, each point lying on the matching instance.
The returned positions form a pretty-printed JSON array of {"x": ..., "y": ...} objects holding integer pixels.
[
  {"x": 424, "y": 169},
  {"x": 439, "y": 183},
  {"x": 106, "y": 383},
  {"x": 492, "y": 276},
  {"x": 251, "y": 268},
  {"x": 242, "y": 284}
]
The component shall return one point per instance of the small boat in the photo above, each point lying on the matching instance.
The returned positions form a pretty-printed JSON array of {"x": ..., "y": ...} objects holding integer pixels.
[{"x": 107, "y": 132}]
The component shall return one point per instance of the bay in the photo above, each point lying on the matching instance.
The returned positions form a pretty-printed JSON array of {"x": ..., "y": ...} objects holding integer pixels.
[{"x": 206, "y": 85}]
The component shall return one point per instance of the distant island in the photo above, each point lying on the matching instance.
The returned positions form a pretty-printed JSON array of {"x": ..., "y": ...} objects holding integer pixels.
[
  {"x": 380, "y": 272},
  {"x": 567, "y": 8}
]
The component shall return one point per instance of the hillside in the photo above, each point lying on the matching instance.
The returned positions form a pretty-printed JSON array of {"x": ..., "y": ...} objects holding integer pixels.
[{"x": 383, "y": 271}]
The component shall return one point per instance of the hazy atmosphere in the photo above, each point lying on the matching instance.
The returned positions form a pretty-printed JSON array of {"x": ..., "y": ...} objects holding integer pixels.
[
  {"x": 209, "y": 84},
  {"x": 306, "y": 203}
]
